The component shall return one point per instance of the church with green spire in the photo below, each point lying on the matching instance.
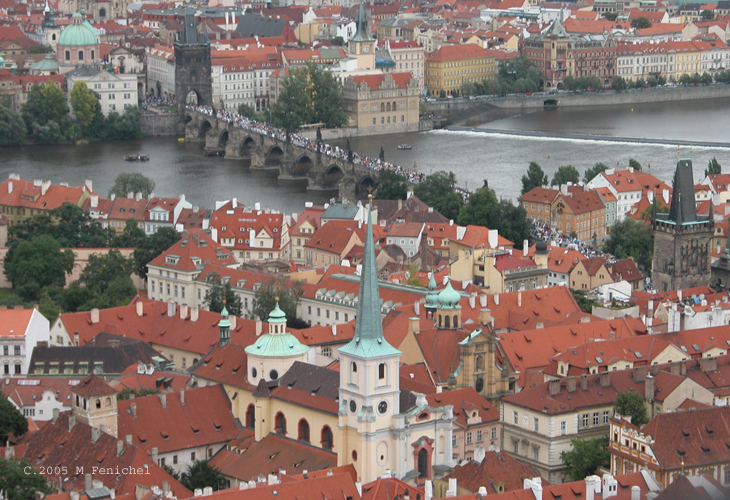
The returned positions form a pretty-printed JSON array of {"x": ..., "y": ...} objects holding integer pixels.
[{"x": 362, "y": 45}]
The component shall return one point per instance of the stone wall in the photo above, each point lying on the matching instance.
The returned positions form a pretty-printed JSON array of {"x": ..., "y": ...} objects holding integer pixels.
[{"x": 163, "y": 124}]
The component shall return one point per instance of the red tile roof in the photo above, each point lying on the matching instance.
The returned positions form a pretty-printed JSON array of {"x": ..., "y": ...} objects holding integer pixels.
[
  {"x": 459, "y": 52},
  {"x": 93, "y": 386},
  {"x": 496, "y": 467},
  {"x": 35, "y": 195},
  {"x": 192, "y": 252},
  {"x": 388, "y": 488},
  {"x": 540, "y": 194},
  {"x": 583, "y": 202},
  {"x": 374, "y": 81},
  {"x": 240, "y": 220},
  {"x": 226, "y": 364},
  {"x": 15, "y": 322},
  {"x": 467, "y": 403},
  {"x": 203, "y": 419}
]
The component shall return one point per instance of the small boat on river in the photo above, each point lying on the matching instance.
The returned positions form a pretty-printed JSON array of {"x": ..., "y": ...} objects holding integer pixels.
[
  {"x": 136, "y": 158},
  {"x": 405, "y": 146},
  {"x": 218, "y": 152}
]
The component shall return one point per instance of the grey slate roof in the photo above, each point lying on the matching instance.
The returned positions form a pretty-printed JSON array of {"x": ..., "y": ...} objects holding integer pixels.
[
  {"x": 189, "y": 34},
  {"x": 340, "y": 211},
  {"x": 252, "y": 25}
]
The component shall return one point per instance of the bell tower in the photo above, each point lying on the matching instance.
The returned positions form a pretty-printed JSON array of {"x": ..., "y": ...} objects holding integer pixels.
[
  {"x": 369, "y": 381},
  {"x": 192, "y": 66},
  {"x": 95, "y": 404},
  {"x": 362, "y": 46}
]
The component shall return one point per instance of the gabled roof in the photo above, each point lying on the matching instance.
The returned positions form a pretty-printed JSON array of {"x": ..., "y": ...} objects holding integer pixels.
[
  {"x": 467, "y": 403},
  {"x": 239, "y": 220},
  {"x": 336, "y": 236},
  {"x": 583, "y": 202},
  {"x": 593, "y": 265},
  {"x": 93, "y": 386},
  {"x": 373, "y": 82},
  {"x": 310, "y": 386},
  {"x": 226, "y": 364},
  {"x": 192, "y": 253},
  {"x": 388, "y": 488},
  {"x": 459, "y": 52},
  {"x": 15, "y": 322},
  {"x": 204, "y": 418},
  {"x": 540, "y": 194},
  {"x": 26, "y": 391},
  {"x": 495, "y": 468},
  {"x": 625, "y": 269},
  {"x": 440, "y": 350}
]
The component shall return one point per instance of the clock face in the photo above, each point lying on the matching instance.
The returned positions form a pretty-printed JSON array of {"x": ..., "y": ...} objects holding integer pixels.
[
  {"x": 382, "y": 407},
  {"x": 353, "y": 406},
  {"x": 366, "y": 49}
]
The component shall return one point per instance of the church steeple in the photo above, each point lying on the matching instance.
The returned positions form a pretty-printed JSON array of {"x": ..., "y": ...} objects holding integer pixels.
[
  {"x": 362, "y": 32},
  {"x": 368, "y": 340},
  {"x": 225, "y": 326}
]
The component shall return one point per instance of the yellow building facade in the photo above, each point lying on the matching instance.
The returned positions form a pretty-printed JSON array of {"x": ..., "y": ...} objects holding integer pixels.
[{"x": 449, "y": 68}]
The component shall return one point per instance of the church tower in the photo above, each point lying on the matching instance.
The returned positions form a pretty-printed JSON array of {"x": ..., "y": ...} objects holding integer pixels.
[
  {"x": 362, "y": 46},
  {"x": 224, "y": 326},
  {"x": 448, "y": 313},
  {"x": 51, "y": 30},
  {"x": 432, "y": 297},
  {"x": 95, "y": 404},
  {"x": 682, "y": 239},
  {"x": 193, "y": 80},
  {"x": 369, "y": 383}
]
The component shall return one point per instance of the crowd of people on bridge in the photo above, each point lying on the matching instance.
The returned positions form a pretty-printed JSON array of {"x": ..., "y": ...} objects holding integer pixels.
[
  {"x": 238, "y": 120},
  {"x": 543, "y": 232}
]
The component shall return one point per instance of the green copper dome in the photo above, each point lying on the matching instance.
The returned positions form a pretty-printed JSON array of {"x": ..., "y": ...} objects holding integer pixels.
[
  {"x": 277, "y": 315},
  {"x": 48, "y": 63},
  {"x": 449, "y": 298},
  {"x": 78, "y": 34},
  {"x": 224, "y": 322},
  {"x": 432, "y": 296},
  {"x": 279, "y": 345}
]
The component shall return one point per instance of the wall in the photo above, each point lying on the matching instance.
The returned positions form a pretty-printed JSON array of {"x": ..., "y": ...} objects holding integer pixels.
[{"x": 163, "y": 124}]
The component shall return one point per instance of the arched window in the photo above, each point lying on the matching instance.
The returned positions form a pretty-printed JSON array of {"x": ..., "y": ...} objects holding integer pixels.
[
  {"x": 98, "y": 404},
  {"x": 381, "y": 371},
  {"x": 53, "y": 37},
  {"x": 92, "y": 54},
  {"x": 387, "y": 107},
  {"x": 102, "y": 12},
  {"x": 456, "y": 321},
  {"x": 382, "y": 120},
  {"x": 84, "y": 400},
  {"x": 81, "y": 55},
  {"x": 393, "y": 107},
  {"x": 108, "y": 402},
  {"x": 402, "y": 118},
  {"x": 251, "y": 416},
  {"x": 77, "y": 401},
  {"x": 423, "y": 464},
  {"x": 280, "y": 424},
  {"x": 382, "y": 107},
  {"x": 68, "y": 55},
  {"x": 353, "y": 367},
  {"x": 479, "y": 363},
  {"x": 303, "y": 431},
  {"x": 373, "y": 121},
  {"x": 388, "y": 119},
  {"x": 447, "y": 321},
  {"x": 327, "y": 443}
]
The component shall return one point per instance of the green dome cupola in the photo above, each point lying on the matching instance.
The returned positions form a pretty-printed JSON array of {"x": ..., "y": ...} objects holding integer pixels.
[
  {"x": 78, "y": 34},
  {"x": 432, "y": 296},
  {"x": 449, "y": 298}
]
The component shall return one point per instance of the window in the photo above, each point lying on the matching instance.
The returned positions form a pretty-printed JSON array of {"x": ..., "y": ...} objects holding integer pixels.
[
  {"x": 605, "y": 416},
  {"x": 479, "y": 436},
  {"x": 535, "y": 453},
  {"x": 5, "y": 350},
  {"x": 494, "y": 433},
  {"x": 515, "y": 417},
  {"x": 16, "y": 350},
  {"x": 280, "y": 423},
  {"x": 468, "y": 437},
  {"x": 535, "y": 424},
  {"x": 563, "y": 428},
  {"x": 595, "y": 418},
  {"x": 585, "y": 420},
  {"x": 192, "y": 456},
  {"x": 174, "y": 459},
  {"x": 303, "y": 431},
  {"x": 381, "y": 371},
  {"x": 327, "y": 351}
]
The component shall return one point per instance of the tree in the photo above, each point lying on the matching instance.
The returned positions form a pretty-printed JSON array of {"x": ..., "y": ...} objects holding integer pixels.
[
  {"x": 640, "y": 23},
  {"x": 437, "y": 191},
  {"x": 611, "y": 16},
  {"x": 246, "y": 110},
  {"x": 713, "y": 167},
  {"x": 535, "y": 177},
  {"x": 586, "y": 457},
  {"x": 413, "y": 278},
  {"x": 21, "y": 480},
  {"x": 67, "y": 224},
  {"x": 108, "y": 278},
  {"x": 593, "y": 172},
  {"x": 618, "y": 83},
  {"x": 630, "y": 238},
  {"x": 705, "y": 78},
  {"x": 484, "y": 209},
  {"x": 390, "y": 186},
  {"x": 218, "y": 292},
  {"x": 47, "y": 49},
  {"x": 168, "y": 468},
  {"x": 138, "y": 393},
  {"x": 328, "y": 102},
  {"x": 707, "y": 14},
  {"x": 585, "y": 304},
  {"x": 635, "y": 165},
  {"x": 631, "y": 404},
  {"x": 84, "y": 104},
  {"x": 564, "y": 175},
  {"x": 264, "y": 299},
  {"x": 12, "y": 127},
  {"x": 200, "y": 475},
  {"x": 153, "y": 246},
  {"x": 648, "y": 212},
  {"x": 126, "y": 183},
  {"x": 45, "y": 104},
  {"x": 338, "y": 40},
  {"x": 31, "y": 265},
  {"x": 11, "y": 420},
  {"x": 291, "y": 110}
]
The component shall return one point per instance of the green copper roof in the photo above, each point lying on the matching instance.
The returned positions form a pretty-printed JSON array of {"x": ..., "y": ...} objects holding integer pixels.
[
  {"x": 78, "y": 34},
  {"x": 449, "y": 298},
  {"x": 279, "y": 345},
  {"x": 432, "y": 297},
  {"x": 361, "y": 34},
  {"x": 277, "y": 315},
  {"x": 368, "y": 341},
  {"x": 48, "y": 63},
  {"x": 224, "y": 322}
]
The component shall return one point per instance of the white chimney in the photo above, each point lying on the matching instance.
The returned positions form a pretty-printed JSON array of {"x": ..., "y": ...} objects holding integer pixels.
[
  {"x": 194, "y": 314},
  {"x": 428, "y": 490},
  {"x": 592, "y": 484},
  {"x": 451, "y": 492},
  {"x": 198, "y": 492},
  {"x": 94, "y": 200},
  {"x": 10, "y": 187},
  {"x": 610, "y": 486},
  {"x": 44, "y": 187},
  {"x": 460, "y": 232},
  {"x": 257, "y": 206},
  {"x": 635, "y": 493},
  {"x": 358, "y": 485},
  {"x": 334, "y": 330},
  {"x": 140, "y": 307},
  {"x": 535, "y": 484},
  {"x": 483, "y": 300},
  {"x": 182, "y": 397},
  {"x": 251, "y": 238},
  {"x": 259, "y": 327},
  {"x": 214, "y": 234},
  {"x": 183, "y": 311},
  {"x": 89, "y": 185},
  {"x": 519, "y": 299},
  {"x": 234, "y": 203},
  {"x": 171, "y": 309},
  {"x": 417, "y": 308},
  {"x": 94, "y": 315},
  {"x": 493, "y": 238},
  {"x": 496, "y": 299},
  {"x": 472, "y": 301}
]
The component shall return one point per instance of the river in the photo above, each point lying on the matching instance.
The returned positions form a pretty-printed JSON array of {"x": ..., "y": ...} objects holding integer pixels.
[{"x": 500, "y": 158}]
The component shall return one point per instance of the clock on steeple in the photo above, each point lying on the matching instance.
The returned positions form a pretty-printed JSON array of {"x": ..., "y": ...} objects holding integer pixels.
[{"x": 362, "y": 46}]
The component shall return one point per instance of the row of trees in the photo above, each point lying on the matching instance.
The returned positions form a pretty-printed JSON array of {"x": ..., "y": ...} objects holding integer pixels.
[
  {"x": 536, "y": 177},
  {"x": 45, "y": 118},
  {"x": 482, "y": 208},
  {"x": 516, "y": 76}
]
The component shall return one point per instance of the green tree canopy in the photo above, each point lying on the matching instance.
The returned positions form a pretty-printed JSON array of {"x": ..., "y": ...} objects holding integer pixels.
[
  {"x": 67, "y": 224},
  {"x": 437, "y": 191},
  {"x": 484, "y": 209},
  {"x": 338, "y": 40},
  {"x": 218, "y": 292},
  {"x": 585, "y": 304},
  {"x": 635, "y": 164},
  {"x": 264, "y": 299},
  {"x": 84, "y": 104},
  {"x": 611, "y": 16},
  {"x": 46, "y": 104},
  {"x": 390, "y": 186},
  {"x": 11, "y": 420},
  {"x": 564, "y": 175},
  {"x": 138, "y": 393},
  {"x": 535, "y": 177},
  {"x": 713, "y": 167},
  {"x": 592, "y": 173},
  {"x": 108, "y": 277},
  {"x": 707, "y": 14},
  {"x": 152, "y": 246},
  {"x": 134, "y": 183},
  {"x": 34, "y": 264},
  {"x": 640, "y": 23},
  {"x": 12, "y": 127},
  {"x": 618, "y": 83},
  {"x": 200, "y": 475},
  {"x": 40, "y": 49},
  {"x": 631, "y": 404},
  {"x": 21, "y": 480},
  {"x": 630, "y": 238},
  {"x": 648, "y": 212},
  {"x": 246, "y": 110},
  {"x": 586, "y": 457}
]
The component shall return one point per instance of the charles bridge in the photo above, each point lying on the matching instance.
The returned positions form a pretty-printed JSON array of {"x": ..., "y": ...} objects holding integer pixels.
[{"x": 293, "y": 161}]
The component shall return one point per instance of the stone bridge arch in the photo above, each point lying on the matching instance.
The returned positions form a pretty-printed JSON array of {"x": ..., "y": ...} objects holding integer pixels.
[
  {"x": 223, "y": 139},
  {"x": 248, "y": 146},
  {"x": 188, "y": 118},
  {"x": 205, "y": 127},
  {"x": 302, "y": 166},
  {"x": 364, "y": 182},
  {"x": 333, "y": 174},
  {"x": 274, "y": 157}
]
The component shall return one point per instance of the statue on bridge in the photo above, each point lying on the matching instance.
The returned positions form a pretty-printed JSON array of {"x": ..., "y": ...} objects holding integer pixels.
[
  {"x": 319, "y": 134},
  {"x": 382, "y": 154}
]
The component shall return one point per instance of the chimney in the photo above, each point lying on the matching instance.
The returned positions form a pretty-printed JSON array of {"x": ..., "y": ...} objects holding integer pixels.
[
  {"x": 472, "y": 301},
  {"x": 133, "y": 407},
  {"x": 358, "y": 486},
  {"x": 154, "y": 454},
  {"x": 165, "y": 486},
  {"x": 44, "y": 187},
  {"x": 87, "y": 482},
  {"x": 259, "y": 327},
  {"x": 120, "y": 447},
  {"x": 451, "y": 492},
  {"x": 605, "y": 379},
  {"x": 609, "y": 486},
  {"x": 611, "y": 335},
  {"x": 519, "y": 299},
  {"x": 496, "y": 299},
  {"x": 584, "y": 382},
  {"x": 94, "y": 200},
  {"x": 95, "y": 315},
  {"x": 140, "y": 308},
  {"x": 10, "y": 187},
  {"x": 554, "y": 387},
  {"x": 535, "y": 484},
  {"x": 483, "y": 300},
  {"x": 56, "y": 413},
  {"x": 649, "y": 388},
  {"x": 414, "y": 325},
  {"x": 593, "y": 486},
  {"x": 708, "y": 365},
  {"x": 9, "y": 453},
  {"x": 128, "y": 439},
  {"x": 75, "y": 495},
  {"x": 130, "y": 195},
  {"x": 182, "y": 397},
  {"x": 71, "y": 422},
  {"x": 137, "y": 196},
  {"x": 428, "y": 490},
  {"x": 76, "y": 339},
  {"x": 194, "y": 314},
  {"x": 89, "y": 185},
  {"x": 183, "y": 311},
  {"x": 171, "y": 309},
  {"x": 232, "y": 319},
  {"x": 570, "y": 384},
  {"x": 163, "y": 400},
  {"x": 635, "y": 493},
  {"x": 485, "y": 316},
  {"x": 95, "y": 433}
]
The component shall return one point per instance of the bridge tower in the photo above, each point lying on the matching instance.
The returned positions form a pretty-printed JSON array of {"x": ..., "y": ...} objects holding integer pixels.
[{"x": 192, "y": 66}]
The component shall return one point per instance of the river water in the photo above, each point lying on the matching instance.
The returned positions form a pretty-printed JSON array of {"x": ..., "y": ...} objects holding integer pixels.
[{"x": 180, "y": 168}]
